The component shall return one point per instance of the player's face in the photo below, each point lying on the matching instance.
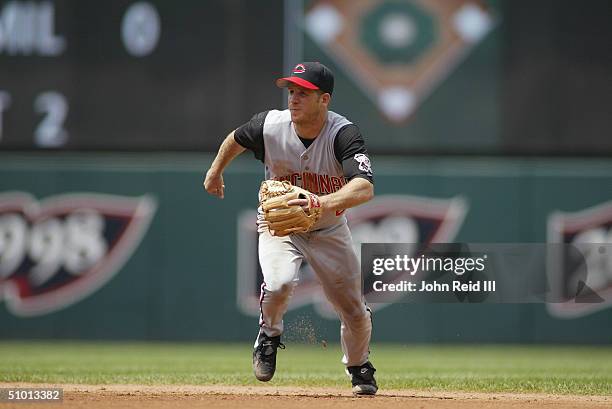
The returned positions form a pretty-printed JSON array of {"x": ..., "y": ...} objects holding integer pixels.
[{"x": 305, "y": 104}]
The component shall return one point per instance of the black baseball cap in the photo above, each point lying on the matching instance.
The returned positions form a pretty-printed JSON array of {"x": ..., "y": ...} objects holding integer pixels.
[{"x": 311, "y": 75}]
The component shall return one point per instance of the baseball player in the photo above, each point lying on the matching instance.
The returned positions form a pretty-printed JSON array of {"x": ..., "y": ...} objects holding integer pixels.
[{"x": 324, "y": 153}]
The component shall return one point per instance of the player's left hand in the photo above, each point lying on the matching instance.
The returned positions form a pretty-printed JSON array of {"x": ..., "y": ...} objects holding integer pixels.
[
  {"x": 299, "y": 202},
  {"x": 307, "y": 203},
  {"x": 288, "y": 209}
]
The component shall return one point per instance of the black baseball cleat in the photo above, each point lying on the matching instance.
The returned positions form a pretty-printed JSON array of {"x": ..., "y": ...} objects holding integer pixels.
[
  {"x": 264, "y": 356},
  {"x": 362, "y": 378}
]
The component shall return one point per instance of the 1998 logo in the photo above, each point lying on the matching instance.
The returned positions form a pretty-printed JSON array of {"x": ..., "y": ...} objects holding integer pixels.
[{"x": 59, "y": 250}]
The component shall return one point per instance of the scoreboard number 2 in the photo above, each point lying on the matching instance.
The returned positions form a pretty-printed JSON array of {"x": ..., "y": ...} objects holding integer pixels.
[{"x": 50, "y": 131}]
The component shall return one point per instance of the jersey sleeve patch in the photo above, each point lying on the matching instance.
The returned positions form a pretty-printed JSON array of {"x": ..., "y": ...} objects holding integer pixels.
[{"x": 363, "y": 163}]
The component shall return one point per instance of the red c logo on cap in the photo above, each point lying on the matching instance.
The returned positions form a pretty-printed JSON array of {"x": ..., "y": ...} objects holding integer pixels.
[{"x": 299, "y": 69}]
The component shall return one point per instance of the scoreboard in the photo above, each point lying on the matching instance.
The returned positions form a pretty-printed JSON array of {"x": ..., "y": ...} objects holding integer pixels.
[
  {"x": 135, "y": 75},
  {"x": 179, "y": 75}
]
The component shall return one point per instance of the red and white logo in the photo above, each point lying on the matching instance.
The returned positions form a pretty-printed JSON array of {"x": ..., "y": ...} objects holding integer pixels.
[
  {"x": 299, "y": 69},
  {"x": 385, "y": 219},
  {"x": 364, "y": 163},
  {"x": 313, "y": 201},
  {"x": 58, "y": 251},
  {"x": 590, "y": 231}
]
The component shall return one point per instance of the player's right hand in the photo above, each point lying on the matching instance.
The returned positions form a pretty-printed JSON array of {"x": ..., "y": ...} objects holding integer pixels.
[{"x": 213, "y": 183}]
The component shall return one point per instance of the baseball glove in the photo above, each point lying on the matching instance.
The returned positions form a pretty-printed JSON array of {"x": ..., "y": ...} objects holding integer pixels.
[{"x": 283, "y": 219}]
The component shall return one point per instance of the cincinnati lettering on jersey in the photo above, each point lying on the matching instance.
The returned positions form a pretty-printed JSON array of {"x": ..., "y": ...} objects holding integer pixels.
[{"x": 314, "y": 182}]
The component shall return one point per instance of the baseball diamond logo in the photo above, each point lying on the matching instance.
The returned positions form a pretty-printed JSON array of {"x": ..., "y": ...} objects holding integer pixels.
[
  {"x": 385, "y": 219},
  {"x": 581, "y": 229},
  {"x": 398, "y": 51},
  {"x": 57, "y": 251}
]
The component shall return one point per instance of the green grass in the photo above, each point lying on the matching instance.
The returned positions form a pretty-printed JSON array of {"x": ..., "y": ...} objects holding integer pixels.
[{"x": 547, "y": 369}]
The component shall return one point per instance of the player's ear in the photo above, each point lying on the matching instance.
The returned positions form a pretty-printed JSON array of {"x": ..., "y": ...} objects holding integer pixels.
[{"x": 325, "y": 98}]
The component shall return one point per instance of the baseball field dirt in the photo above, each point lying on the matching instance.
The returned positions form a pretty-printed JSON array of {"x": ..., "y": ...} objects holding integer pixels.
[
  {"x": 98, "y": 375},
  {"x": 187, "y": 396}
]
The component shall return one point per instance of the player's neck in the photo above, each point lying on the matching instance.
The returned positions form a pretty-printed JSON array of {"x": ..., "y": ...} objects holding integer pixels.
[{"x": 311, "y": 129}]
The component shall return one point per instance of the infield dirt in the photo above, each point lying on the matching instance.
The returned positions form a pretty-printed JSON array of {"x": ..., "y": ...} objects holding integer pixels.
[{"x": 270, "y": 397}]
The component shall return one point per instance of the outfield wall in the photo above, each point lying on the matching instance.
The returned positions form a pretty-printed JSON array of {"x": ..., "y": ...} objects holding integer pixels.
[{"x": 155, "y": 257}]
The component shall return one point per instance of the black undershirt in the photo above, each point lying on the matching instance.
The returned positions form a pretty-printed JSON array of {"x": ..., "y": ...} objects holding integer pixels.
[
  {"x": 347, "y": 144},
  {"x": 306, "y": 142}
]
